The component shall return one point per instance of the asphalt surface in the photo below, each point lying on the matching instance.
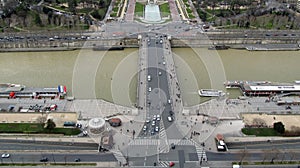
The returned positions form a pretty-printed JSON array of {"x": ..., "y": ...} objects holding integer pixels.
[{"x": 57, "y": 157}]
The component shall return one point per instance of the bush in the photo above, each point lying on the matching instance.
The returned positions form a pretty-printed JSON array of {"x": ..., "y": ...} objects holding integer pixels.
[{"x": 279, "y": 127}]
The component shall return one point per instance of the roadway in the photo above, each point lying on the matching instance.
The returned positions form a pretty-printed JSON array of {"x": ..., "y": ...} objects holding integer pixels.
[{"x": 34, "y": 157}]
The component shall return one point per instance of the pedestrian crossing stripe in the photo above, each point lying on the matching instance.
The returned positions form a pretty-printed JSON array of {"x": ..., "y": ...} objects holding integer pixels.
[
  {"x": 163, "y": 163},
  {"x": 144, "y": 142}
]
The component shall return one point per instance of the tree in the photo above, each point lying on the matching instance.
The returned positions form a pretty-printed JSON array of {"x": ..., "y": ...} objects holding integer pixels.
[
  {"x": 279, "y": 127},
  {"x": 50, "y": 125},
  {"x": 41, "y": 120},
  {"x": 72, "y": 5}
]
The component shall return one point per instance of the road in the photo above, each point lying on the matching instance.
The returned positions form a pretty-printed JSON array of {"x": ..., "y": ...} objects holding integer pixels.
[{"x": 58, "y": 157}]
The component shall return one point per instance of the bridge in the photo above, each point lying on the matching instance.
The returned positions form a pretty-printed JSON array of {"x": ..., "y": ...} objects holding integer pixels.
[{"x": 160, "y": 108}]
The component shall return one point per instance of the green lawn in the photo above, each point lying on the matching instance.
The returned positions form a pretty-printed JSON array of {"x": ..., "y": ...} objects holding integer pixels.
[
  {"x": 35, "y": 128},
  {"x": 139, "y": 9},
  {"x": 260, "y": 131},
  {"x": 164, "y": 10}
]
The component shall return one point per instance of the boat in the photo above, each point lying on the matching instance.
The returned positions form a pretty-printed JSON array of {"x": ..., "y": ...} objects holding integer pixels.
[
  {"x": 9, "y": 87},
  {"x": 264, "y": 88},
  {"x": 210, "y": 93},
  {"x": 219, "y": 47},
  {"x": 8, "y": 90}
]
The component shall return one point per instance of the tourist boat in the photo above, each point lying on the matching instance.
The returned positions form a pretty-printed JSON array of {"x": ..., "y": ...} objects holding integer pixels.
[
  {"x": 264, "y": 88},
  {"x": 8, "y": 90},
  {"x": 210, "y": 93}
]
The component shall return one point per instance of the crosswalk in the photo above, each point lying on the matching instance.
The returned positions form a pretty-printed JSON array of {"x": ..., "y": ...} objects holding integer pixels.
[
  {"x": 180, "y": 142},
  {"x": 164, "y": 145},
  {"x": 200, "y": 152},
  {"x": 163, "y": 164},
  {"x": 119, "y": 156},
  {"x": 137, "y": 142},
  {"x": 162, "y": 131}
]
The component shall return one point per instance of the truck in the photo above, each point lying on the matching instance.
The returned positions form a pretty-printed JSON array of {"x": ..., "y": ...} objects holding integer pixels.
[{"x": 221, "y": 145}]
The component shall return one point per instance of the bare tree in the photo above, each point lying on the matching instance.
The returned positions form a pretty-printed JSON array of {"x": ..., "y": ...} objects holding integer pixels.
[
  {"x": 292, "y": 154},
  {"x": 41, "y": 119},
  {"x": 265, "y": 155},
  {"x": 274, "y": 154},
  {"x": 244, "y": 154},
  {"x": 259, "y": 122}
]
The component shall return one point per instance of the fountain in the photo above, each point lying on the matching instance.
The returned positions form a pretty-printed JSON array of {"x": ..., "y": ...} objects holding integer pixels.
[{"x": 152, "y": 13}]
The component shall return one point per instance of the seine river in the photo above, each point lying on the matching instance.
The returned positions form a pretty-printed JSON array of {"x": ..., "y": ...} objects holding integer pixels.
[{"x": 113, "y": 74}]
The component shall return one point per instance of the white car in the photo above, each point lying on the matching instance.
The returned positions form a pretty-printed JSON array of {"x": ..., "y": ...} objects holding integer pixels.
[
  {"x": 150, "y": 89},
  {"x": 153, "y": 123},
  {"x": 164, "y": 63},
  {"x": 147, "y": 121},
  {"x": 5, "y": 155},
  {"x": 145, "y": 128},
  {"x": 158, "y": 117},
  {"x": 159, "y": 73},
  {"x": 170, "y": 119},
  {"x": 156, "y": 129}
]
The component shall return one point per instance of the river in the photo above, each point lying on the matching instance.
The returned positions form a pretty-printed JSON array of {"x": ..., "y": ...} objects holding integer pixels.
[{"x": 114, "y": 72}]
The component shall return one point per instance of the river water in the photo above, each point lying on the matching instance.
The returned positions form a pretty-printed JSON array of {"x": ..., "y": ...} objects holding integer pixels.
[{"x": 113, "y": 74}]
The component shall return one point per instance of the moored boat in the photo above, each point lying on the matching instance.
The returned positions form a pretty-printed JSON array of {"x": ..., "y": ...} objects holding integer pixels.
[{"x": 210, "y": 93}]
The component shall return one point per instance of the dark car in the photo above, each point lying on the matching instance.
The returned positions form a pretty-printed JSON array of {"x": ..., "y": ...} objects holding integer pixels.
[
  {"x": 77, "y": 160},
  {"x": 44, "y": 159},
  {"x": 172, "y": 146}
]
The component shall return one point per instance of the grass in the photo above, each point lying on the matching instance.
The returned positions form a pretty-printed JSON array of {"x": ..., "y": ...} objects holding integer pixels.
[
  {"x": 191, "y": 16},
  {"x": 139, "y": 9},
  {"x": 164, "y": 9},
  {"x": 260, "y": 131},
  {"x": 35, "y": 128}
]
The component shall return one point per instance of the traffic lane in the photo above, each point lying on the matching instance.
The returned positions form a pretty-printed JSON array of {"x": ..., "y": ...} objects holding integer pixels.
[
  {"x": 189, "y": 154},
  {"x": 266, "y": 145},
  {"x": 141, "y": 161},
  {"x": 257, "y": 156},
  {"x": 28, "y": 146},
  {"x": 61, "y": 157}
]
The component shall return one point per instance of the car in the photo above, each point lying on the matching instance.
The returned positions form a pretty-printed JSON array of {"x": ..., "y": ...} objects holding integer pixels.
[
  {"x": 172, "y": 146},
  {"x": 171, "y": 164},
  {"x": 170, "y": 119},
  {"x": 154, "y": 117},
  {"x": 145, "y": 128},
  {"x": 44, "y": 159},
  {"x": 159, "y": 73},
  {"x": 169, "y": 101},
  {"x": 149, "y": 89},
  {"x": 5, "y": 155},
  {"x": 153, "y": 123},
  {"x": 149, "y": 78},
  {"x": 147, "y": 121},
  {"x": 77, "y": 160},
  {"x": 164, "y": 63},
  {"x": 156, "y": 129},
  {"x": 158, "y": 117}
]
